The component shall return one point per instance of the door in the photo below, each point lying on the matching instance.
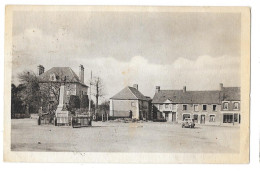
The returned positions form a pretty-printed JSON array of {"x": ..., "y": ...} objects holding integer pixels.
[
  {"x": 166, "y": 116},
  {"x": 174, "y": 117},
  {"x": 195, "y": 117},
  {"x": 202, "y": 120},
  {"x": 169, "y": 117}
]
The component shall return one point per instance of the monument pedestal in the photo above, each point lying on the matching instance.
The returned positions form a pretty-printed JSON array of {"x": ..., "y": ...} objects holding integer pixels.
[{"x": 62, "y": 115}]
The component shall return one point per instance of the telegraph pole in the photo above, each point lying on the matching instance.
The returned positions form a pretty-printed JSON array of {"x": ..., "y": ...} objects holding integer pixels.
[{"x": 89, "y": 105}]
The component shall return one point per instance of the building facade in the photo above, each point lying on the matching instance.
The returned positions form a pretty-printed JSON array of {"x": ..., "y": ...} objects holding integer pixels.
[
  {"x": 130, "y": 103},
  {"x": 218, "y": 107},
  {"x": 230, "y": 105}
]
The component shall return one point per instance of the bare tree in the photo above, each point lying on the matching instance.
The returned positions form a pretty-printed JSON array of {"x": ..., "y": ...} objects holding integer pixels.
[{"x": 98, "y": 91}]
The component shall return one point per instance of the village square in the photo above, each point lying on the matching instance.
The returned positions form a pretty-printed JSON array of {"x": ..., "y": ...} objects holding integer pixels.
[
  {"x": 125, "y": 81},
  {"x": 58, "y": 101}
]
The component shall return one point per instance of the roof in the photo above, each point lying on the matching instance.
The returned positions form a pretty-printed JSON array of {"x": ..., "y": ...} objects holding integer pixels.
[
  {"x": 60, "y": 72},
  {"x": 231, "y": 93},
  {"x": 199, "y": 97},
  {"x": 129, "y": 93}
]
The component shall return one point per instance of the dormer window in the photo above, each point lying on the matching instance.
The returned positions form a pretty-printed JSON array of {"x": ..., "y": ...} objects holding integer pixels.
[{"x": 52, "y": 77}]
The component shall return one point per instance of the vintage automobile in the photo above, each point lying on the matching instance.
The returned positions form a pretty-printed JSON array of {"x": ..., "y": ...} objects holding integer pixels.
[{"x": 188, "y": 123}]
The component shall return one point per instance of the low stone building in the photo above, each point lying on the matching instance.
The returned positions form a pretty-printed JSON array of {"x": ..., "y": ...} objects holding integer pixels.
[
  {"x": 130, "y": 102},
  {"x": 52, "y": 79},
  {"x": 217, "y": 107}
]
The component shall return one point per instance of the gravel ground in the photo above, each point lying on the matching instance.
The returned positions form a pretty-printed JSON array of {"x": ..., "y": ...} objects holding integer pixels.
[{"x": 124, "y": 137}]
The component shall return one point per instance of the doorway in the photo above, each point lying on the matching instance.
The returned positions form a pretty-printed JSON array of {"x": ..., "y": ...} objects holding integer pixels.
[
  {"x": 202, "y": 119},
  {"x": 196, "y": 118},
  {"x": 168, "y": 117},
  {"x": 174, "y": 119}
]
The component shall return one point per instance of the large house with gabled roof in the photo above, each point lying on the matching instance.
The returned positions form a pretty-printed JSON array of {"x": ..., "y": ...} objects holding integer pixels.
[
  {"x": 130, "y": 102},
  {"x": 217, "y": 107},
  {"x": 54, "y": 77}
]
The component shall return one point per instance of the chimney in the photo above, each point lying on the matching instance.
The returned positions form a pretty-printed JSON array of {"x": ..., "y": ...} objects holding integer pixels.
[
  {"x": 184, "y": 89},
  {"x": 221, "y": 86},
  {"x": 135, "y": 86},
  {"x": 40, "y": 70},
  {"x": 81, "y": 73},
  {"x": 157, "y": 89}
]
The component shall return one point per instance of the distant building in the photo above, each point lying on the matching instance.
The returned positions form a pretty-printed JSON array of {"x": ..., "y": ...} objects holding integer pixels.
[
  {"x": 54, "y": 77},
  {"x": 130, "y": 102},
  {"x": 215, "y": 107}
]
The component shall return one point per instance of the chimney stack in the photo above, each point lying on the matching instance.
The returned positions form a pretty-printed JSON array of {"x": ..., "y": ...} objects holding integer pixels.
[
  {"x": 157, "y": 89},
  {"x": 221, "y": 86},
  {"x": 135, "y": 86},
  {"x": 184, "y": 89},
  {"x": 81, "y": 73},
  {"x": 40, "y": 70}
]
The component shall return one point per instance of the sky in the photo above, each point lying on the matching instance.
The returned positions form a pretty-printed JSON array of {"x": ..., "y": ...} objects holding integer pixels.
[{"x": 166, "y": 49}]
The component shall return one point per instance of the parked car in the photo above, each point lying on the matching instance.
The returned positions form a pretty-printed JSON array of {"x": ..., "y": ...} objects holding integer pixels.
[{"x": 188, "y": 123}]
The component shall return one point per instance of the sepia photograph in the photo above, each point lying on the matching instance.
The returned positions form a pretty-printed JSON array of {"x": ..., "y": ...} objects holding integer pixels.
[{"x": 127, "y": 84}]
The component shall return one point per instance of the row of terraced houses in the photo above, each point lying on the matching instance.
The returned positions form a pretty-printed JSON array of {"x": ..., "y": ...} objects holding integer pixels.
[{"x": 217, "y": 107}]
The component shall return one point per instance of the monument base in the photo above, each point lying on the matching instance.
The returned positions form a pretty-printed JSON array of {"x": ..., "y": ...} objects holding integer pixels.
[{"x": 62, "y": 116}]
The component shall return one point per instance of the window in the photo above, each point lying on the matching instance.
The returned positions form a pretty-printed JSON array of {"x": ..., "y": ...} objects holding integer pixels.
[
  {"x": 68, "y": 92},
  {"x": 133, "y": 104},
  {"x": 236, "y": 105},
  {"x": 235, "y": 117},
  {"x": 184, "y": 107},
  {"x": 225, "y": 105},
  {"x": 227, "y": 118},
  {"x": 52, "y": 77},
  {"x": 161, "y": 106},
  {"x": 195, "y": 117},
  {"x": 204, "y": 107},
  {"x": 185, "y": 116},
  {"x": 212, "y": 118},
  {"x": 166, "y": 106},
  {"x": 214, "y": 108},
  {"x": 196, "y": 108}
]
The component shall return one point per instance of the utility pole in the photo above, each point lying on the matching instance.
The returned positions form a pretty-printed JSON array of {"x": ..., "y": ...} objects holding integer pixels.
[
  {"x": 89, "y": 105},
  {"x": 27, "y": 91}
]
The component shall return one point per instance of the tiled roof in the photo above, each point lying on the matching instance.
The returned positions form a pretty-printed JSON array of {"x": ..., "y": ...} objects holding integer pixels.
[
  {"x": 199, "y": 97},
  {"x": 129, "y": 93},
  {"x": 60, "y": 72}
]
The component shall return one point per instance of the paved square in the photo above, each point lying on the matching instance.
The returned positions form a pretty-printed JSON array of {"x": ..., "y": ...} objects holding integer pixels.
[{"x": 124, "y": 137}]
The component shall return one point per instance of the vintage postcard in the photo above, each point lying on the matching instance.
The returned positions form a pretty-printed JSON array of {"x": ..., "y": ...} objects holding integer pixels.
[{"x": 127, "y": 84}]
